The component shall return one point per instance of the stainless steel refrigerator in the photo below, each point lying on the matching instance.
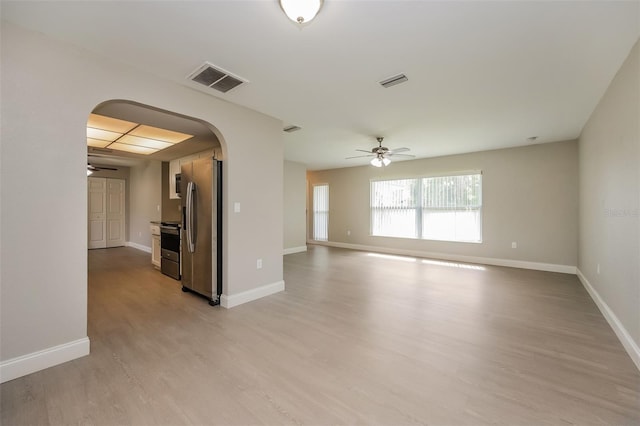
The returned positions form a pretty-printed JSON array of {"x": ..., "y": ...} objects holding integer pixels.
[{"x": 201, "y": 193}]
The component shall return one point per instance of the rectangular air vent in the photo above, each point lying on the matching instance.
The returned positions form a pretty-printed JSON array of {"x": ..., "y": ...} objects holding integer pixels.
[
  {"x": 392, "y": 81},
  {"x": 290, "y": 129},
  {"x": 94, "y": 149},
  {"x": 215, "y": 77}
]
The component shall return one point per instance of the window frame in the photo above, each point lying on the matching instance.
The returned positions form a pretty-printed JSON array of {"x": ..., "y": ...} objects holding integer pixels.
[
  {"x": 420, "y": 208},
  {"x": 314, "y": 211}
]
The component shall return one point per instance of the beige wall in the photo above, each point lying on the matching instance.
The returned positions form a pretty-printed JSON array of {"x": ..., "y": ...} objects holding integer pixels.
[
  {"x": 530, "y": 196},
  {"x": 145, "y": 189},
  {"x": 295, "y": 199},
  {"x": 44, "y": 115},
  {"x": 171, "y": 207},
  {"x": 610, "y": 198}
]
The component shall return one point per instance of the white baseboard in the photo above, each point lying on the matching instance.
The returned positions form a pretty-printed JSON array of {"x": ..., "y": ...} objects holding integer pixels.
[
  {"x": 292, "y": 250},
  {"x": 549, "y": 267},
  {"x": 138, "y": 246},
  {"x": 623, "y": 335},
  {"x": 250, "y": 295},
  {"x": 36, "y": 361}
]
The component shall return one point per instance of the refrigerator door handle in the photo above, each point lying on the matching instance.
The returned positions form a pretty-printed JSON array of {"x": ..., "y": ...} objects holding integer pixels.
[{"x": 191, "y": 188}]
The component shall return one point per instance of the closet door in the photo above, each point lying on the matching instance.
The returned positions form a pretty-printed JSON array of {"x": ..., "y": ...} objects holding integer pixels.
[
  {"x": 106, "y": 210},
  {"x": 97, "y": 210}
]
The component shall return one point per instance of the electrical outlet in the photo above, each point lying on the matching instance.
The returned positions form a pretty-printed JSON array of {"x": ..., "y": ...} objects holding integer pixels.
[
  {"x": 514, "y": 245},
  {"x": 348, "y": 232},
  {"x": 259, "y": 264},
  {"x": 139, "y": 234},
  {"x": 598, "y": 269}
]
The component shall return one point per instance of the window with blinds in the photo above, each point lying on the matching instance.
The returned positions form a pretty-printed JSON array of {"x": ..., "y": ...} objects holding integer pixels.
[
  {"x": 447, "y": 208},
  {"x": 321, "y": 212}
]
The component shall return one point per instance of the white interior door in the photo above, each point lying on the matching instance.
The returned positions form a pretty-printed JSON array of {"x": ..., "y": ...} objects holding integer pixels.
[
  {"x": 115, "y": 212},
  {"x": 106, "y": 209},
  {"x": 97, "y": 209}
]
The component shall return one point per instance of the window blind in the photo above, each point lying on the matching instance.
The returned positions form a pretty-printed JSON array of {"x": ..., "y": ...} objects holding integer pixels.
[
  {"x": 321, "y": 212},
  {"x": 435, "y": 208}
]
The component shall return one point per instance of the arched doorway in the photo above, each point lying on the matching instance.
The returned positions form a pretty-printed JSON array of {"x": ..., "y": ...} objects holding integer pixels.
[{"x": 148, "y": 177}]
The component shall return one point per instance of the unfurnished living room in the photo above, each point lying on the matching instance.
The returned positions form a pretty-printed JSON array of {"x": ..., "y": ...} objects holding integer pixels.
[{"x": 320, "y": 212}]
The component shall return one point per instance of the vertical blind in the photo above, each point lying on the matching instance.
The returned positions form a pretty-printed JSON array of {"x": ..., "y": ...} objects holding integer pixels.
[
  {"x": 321, "y": 212},
  {"x": 393, "y": 208},
  {"x": 451, "y": 207},
  {"x": 435, "y": 208}
]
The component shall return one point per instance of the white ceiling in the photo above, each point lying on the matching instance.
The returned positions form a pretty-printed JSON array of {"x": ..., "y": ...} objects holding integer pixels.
[{"x": 482, "y": 75}]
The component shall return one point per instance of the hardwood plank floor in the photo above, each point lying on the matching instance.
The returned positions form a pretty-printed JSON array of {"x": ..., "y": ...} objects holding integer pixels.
[{"x": 356, "y": 338}]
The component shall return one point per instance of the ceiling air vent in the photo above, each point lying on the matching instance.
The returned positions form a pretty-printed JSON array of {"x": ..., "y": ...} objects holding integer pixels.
[
  {"x": 96, "y": 149},
  {"x": 291, "y": 129},
  {"x": 392, "y": 81},
  {"x": 215, "y": 77}
]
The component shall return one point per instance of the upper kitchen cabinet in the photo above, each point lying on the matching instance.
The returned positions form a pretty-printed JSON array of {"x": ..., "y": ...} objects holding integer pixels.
[{"x": 175, "y": 166}]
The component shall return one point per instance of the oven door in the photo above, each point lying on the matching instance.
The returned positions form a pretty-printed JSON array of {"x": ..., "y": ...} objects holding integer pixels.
[
  {"x": 170, "y": 253},
  {"x": 170, "y": 238}
]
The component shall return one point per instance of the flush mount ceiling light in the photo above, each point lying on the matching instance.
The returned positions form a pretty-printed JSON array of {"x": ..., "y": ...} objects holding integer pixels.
[
  {"x": 301, "y": 11},
  {"x": 107, "y": 132}
]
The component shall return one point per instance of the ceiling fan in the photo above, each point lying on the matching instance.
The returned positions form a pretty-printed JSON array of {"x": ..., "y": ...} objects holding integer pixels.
[
  {"x": 381, "y": 154},
  {"x": 91, "y": 169}
]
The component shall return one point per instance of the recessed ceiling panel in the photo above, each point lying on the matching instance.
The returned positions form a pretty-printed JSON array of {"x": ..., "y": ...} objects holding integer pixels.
[
  {"x": 132, "y": 148},
  {"x": 97, "y": 143},
  {"x": 108, "y": 123},
  {"x": 144, "y": 142},
  {"x": 159, "y": 134},
  {"x": 104, "y": 135}
]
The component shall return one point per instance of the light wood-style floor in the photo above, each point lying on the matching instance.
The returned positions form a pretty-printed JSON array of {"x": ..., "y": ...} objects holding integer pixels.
[{"x": 356, "y": 338}]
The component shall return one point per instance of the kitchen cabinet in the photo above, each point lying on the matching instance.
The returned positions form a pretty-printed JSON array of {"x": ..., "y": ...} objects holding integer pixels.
[
  {"x": 174, "y": 169},
  {"x": 155, "y": 245},
  {"x": 155, "y": 250},
  {"x": 176, "y": 165}
]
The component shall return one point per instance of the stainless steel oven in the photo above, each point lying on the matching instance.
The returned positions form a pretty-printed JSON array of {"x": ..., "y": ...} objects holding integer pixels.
[{"x": 170, "y": 249}]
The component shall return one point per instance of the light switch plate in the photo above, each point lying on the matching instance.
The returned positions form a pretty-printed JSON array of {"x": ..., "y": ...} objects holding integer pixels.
[{"x": 236, "y": 207}]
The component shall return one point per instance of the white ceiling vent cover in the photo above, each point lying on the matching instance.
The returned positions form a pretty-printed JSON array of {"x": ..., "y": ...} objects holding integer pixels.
[{"x": 215, "y": 77}]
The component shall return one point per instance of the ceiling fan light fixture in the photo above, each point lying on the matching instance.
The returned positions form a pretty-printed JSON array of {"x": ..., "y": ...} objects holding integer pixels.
[
  {"x": 380, "y": 161},
  {"x": 375, "y": 162},
  {"x": 301, "y": 11}
]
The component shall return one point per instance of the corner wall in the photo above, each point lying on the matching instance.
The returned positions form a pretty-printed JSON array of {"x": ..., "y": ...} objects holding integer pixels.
[
  {"x": 530, "y": 196},
  {"x": 145, "y": 190},
  {"x": 295, "y": 207},
  {"x": 609, "y": 245}
]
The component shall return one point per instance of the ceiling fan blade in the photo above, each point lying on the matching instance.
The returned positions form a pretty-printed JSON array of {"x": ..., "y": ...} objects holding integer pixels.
[
  {"x": 395, "y": 151},
  {"x": 400, "y": 155},
  {"x": 96, "y": 168},
  {"x": 360, "y": 156},
  {"x": 364, "y": 150}
]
